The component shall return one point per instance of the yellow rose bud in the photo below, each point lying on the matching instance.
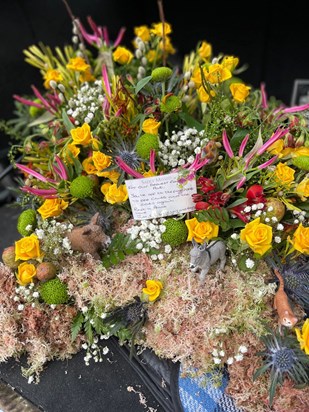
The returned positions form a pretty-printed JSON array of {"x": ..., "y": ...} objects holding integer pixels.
[
  {"x": 88, "y": 166},
  {"x": 300, "y": 239},
  {"x": 71, "y": 152},
  {"x": 112, "y": 175},
  {"x": 217, "y": 73},
  {"x": 201, "y": 231},
  {"x": 230, "y": 62},
  {"x": 82, "y": 135},
  {"x": 52, "y": 208},
  {"x": 203, "y": 95},
  {"x": 239, "y": 92},
  {"x": 302, "y": 189},
  {"x": 50, "y": 75},
  {"x": 151, "y": 126},
  {"x": 142, "y": 32},
  {"x": 26, "y": 273},
  {"x": 303, "y": 336},
  {"x": 27, "y": 248},
  {"x": 276, "y": 148},
  {"x": 101, "y": 161},
  {"x": 153, "y": 289},
  {"x": 78, "y": 64},
  {"x": 157, "y": 29},
  {"x": 122, "y": 55},
  {"x": 258, "y": 236},
  {"x": 284, "y": 174},
  {"x": 114, "y": 194},
  {"x": 205, "y": 50}
]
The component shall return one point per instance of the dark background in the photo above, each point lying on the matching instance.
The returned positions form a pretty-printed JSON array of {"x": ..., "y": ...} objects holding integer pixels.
[{"x": 270, "y": 38}]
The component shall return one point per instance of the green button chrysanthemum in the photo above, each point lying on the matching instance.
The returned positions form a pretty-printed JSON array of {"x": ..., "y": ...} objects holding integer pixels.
[
  {"x": 161, "y": 74},
  {"x": 26, "y": 222},
  {"x": 54, "y": 292},
  {"x": 82, "y": 187},
  {"x": 145, "y": 144},
  {"x": 176, "y": 232}
]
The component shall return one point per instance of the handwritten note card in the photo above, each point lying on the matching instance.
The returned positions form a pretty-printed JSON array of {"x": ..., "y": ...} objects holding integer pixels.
[{"x": 160, "y": 196}]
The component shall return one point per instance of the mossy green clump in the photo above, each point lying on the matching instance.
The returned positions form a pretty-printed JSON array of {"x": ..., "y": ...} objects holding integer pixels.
[
  {"x": 54, "y": 292},
  {"x": 145, "y": 144},
  {"x": 26, "y": 222},
  {"x": 160, "y": 74},
  {"x": 82, "y": 187},
  {"x": 176, "y": 232},
  {"x": 302, "y": 162}
]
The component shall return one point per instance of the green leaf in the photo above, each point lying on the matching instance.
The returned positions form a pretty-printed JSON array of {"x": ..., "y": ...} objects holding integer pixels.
[
  {"x": 44, "y": 118},
  {"x": 77, "y": 325},
  {"x": 237, "y": 202},
  {"x": 142, "y": 83},
  {"x": 88, "y": 331},
  {"x": 67, "y": 122},
  {"x": 260, "y": 371},
  {"x": 98, "y": 325},
  {"x": 237, "y": 138},
  {"x": 190, "y": 121}
]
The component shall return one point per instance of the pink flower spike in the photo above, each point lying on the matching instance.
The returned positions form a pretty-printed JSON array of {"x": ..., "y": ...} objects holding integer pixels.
[
  {"x": 127, "y": 168},
  {"x": 39, "y": 192},
  {"x": 243, "y": 145},
  {"x": 63, "y": 172},
  {"x": 241, "y": 182},
  {"x": 44, "y": 101},
  {"x": 120, "y": 36},
  {"x": 91, "y": 39},
  {"x": 93, "y": 25},
  {"x": 276, "y": 136},
  {"x": 105, "y": 36},
  {"x": 27, "y": 102},
  {"x": 268, "y": 163},
  {"x": 31, "y": 172},
  {"x": 295, "y": 109},
  {"x": 152, "y": 160},
  {"x": 227, "y": 145},
  {"x": 264, "y": 96}
]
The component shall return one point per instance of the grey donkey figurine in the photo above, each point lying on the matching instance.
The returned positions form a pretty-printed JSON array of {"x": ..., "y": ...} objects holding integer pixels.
[{"x": 204, "y": 255}]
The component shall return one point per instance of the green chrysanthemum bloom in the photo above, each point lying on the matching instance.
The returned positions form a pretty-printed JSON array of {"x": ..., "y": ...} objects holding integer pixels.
[
  {"x": 145, "y": 143},
  {"x": 82, "y": 187},
  {"x": 176, "y": 232},
  {"x": 54, "y": 292},
  {"x": 160, "y": 74},
  {"x": 26, "y": 222},
  {"x": 302, "y": 162},
  {"x": 170, "y": 104}
]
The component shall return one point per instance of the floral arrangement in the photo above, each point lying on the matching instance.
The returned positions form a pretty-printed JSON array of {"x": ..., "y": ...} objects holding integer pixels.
[{"x": 85, "y": 269}]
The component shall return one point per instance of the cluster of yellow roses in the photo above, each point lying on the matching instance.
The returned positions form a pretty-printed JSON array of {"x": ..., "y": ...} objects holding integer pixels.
[{"x": 26, "y": 249}]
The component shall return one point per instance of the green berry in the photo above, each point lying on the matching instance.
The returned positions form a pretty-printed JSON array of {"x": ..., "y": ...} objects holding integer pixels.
[
  {"x": 26, "y": 219},
  {"x": 145, "y": 143},
  {"x": 302, "y": 162},
  {"x": 160, "y": 74},
  {"x": 54, "y": 292},
  {"x": 35, "y": 111},
  {"x": 176, "y": 232},
  {"x": 82, "y": 187}
]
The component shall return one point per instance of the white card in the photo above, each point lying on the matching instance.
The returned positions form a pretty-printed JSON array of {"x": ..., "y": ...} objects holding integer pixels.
[{"x": 160, "y": 196}]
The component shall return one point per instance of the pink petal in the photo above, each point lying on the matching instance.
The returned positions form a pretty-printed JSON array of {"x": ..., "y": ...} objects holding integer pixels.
[
  {"x": 227, "y": 145},
  {"x": 243, "y": 145}
]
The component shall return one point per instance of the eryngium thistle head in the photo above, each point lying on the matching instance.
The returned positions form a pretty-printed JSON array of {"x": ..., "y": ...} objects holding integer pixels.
[
  {"x": 126, "y": 151},
  {"x": 135, "y": 312},
  {"x": 282, "y": 358}
]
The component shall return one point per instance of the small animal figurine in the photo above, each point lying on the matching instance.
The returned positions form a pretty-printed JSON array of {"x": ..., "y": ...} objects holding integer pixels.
[
  {"x": 90, "y": 238},
  {"x": 281, "y": 304},
  {"x": 202, "y": 256}
]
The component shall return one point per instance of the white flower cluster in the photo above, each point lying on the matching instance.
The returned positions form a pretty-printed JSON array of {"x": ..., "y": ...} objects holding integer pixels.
[
  {"x": 182, "y": 147},
  {"x": 94, "y": 351},
  {"x": 26, "y": 294},
  {"x": 219, "y": 354},
  {"x": 149, "y": 233},
  {"x": 85, "y": 104},
  {"x": 54, "y": 239}
]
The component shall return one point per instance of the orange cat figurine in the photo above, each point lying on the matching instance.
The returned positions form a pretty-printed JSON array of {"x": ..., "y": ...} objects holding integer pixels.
[{"x": 281, "y": 304}]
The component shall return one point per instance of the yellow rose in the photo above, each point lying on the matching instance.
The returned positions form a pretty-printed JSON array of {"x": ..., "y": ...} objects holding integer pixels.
[
  {"x": 82, "y": 135},
  {"x": 87, "y": 76},
  {"x": 101, "y": 161},
  {"x": 153, "y": 289},
  {"x": 230, "y": 62},
  {"x": 142, "y": 32},
  {"x": 151, "y": 56},
  {"x": 276, "y": 148},
  {"x": 157, "y": 29},
  {"x": 88, "y": 166},
  {"x": 71, "y": 152},
  {"x": 239, "y": 92},
  {"x": 168, "y": 47},
  {"x": 112, "y": 175},
  {"x": 27, "y": 248},
  {"x": 26, "y": 273},
  {"x": 300, "y": 151},
  {"x": 114, "y": 194},
  {"x": 150, "y": 173},
  {"x": 203, "y": 95},
  {"x": 300, "y": 239},
  {"x": 122, "y": 55},
  {"x": 78, "y": 64},
  {"x": 217, "y": 73},
  {"x": 284, "y": 174},
  {"x": 302, "y": 189},
  {"x": 151, "y": 126},
  {"x": 201, "y": 231},
  {"x": 196, "y": 77},
  {"x": 303, "y": 336},
  {"x": 258, "y": 236},
  {"x": 52, "y": 208},
  {"x": 50, "y": 75},
  {"x": 205, "y": 50}
]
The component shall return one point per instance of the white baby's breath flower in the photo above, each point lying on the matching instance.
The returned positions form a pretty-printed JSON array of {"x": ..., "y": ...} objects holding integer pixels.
[
  {"x": 277, "y": 239},
  {"x": 249, "y": 263},
  {"x": 84, "y": 309},
  {"x": 105, "y": 350},
  {"x": 280, "y": 226},
  {"x": 239, "y": 357},
  {"x": 230, "y": 360},
  {"x": 167, "y": 248},
  {"x": 217, "y": 361},
  {"x": 243, "y": 349}
]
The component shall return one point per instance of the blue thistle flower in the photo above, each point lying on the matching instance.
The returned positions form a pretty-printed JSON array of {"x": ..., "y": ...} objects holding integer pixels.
[{"x": 282, "y": 358}]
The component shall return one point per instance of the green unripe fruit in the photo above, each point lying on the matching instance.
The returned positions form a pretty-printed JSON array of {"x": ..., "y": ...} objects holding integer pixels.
[
  {"x": 54, "y": 292},
  {"x": 176, "y": 232},
  {"x": 8, "y": 257},
  {"x": 160, "y": 74},
  {"x": 302, "y": 162},
  {"x": 82, "y": 187},
  {"x": 26, "y": 219},
  {"x": 35, "y": 111},
  {"x": 145, "y": 144}
]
